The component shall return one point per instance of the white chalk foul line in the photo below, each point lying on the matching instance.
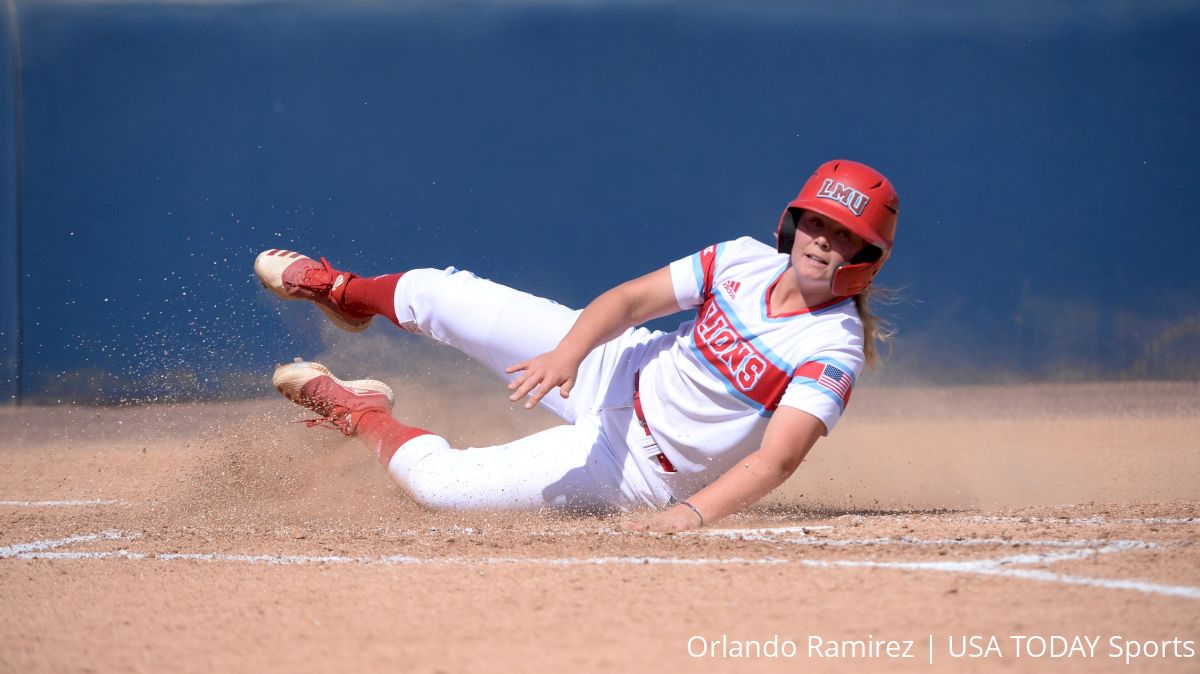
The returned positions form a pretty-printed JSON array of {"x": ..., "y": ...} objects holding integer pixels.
[
  {"x": 26, "y": 548},
  {"x": 1092, "y": 521},
  {"x": 1004, "y": 566},
  {"x": 766, "y": 535},
  {"x": 404, "y": 560},
  {"x": 397, "y": 560},
  {"x": 66, "y": 503},
  {"x": 46, "y": 550}
]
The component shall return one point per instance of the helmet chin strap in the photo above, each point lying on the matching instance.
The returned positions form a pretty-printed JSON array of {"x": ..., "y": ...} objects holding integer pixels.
[
  {"x": 833, "y": 277},
  {"x": 851, "y": 279}
]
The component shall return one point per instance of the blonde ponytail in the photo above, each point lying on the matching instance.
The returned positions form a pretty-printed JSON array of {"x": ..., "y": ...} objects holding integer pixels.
[{"x": 875, "y": 328}]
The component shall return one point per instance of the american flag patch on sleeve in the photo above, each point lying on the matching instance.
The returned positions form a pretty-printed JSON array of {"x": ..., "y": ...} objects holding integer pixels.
[
  {"x": 832, "y": 378},
  {"x": 835, "y": 380}
]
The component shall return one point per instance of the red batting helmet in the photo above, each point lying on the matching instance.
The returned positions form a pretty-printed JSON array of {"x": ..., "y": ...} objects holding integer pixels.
[{"x": 863, "y": 201}]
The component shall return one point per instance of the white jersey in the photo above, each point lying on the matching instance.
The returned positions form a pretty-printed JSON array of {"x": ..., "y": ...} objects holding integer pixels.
[
  {"x": 707, "y": 390},
  {"x": 708, "y": 396}
]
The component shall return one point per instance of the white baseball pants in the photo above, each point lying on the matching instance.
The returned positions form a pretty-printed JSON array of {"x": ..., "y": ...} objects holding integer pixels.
[{"x": 596, "y": 463}]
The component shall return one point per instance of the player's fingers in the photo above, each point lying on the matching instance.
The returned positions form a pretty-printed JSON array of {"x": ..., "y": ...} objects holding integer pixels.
[
  {"x": 565, "y": 389},
  {"x": 538, "y": 384},
  {"x": 512, "y": 385},
  {"x": 537, "y": 396},
  {"x": 523, "y": 365},
  {"x": 523, "y": 386}
]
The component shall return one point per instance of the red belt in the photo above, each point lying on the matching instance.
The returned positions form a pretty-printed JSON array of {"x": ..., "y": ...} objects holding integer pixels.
[{"x": 662, "y": 459}]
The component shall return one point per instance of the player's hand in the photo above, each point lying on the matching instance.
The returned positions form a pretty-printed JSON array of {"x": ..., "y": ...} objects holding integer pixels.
[
  {"x": 542, "y": 373},
  {"x": 675, "y": 518}
]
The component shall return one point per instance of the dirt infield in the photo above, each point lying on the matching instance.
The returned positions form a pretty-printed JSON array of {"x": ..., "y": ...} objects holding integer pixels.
[{"x": 1012, "y": 523}]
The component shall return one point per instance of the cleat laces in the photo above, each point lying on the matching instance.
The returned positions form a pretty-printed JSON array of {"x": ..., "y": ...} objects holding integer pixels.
[
  {"x": 338, "y": 419},
  {"x": 318, "y": 278}
]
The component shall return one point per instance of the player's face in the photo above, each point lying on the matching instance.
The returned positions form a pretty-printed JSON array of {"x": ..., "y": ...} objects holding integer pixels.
[{"x": 822, "y": 245}]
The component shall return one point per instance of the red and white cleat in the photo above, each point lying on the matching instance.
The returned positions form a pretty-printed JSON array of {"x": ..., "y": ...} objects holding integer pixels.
[
  {"x": 341, "y": 404},
  {"x": 294, "y": 276}
]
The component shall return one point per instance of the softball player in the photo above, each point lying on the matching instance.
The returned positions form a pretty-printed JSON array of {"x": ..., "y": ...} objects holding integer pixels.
[{"x": 697, "y": 423}]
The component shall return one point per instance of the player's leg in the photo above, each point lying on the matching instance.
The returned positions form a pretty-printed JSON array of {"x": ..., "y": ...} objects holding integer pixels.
[
  {"x": 561, "y": 467},
  {"x": 494, "y": 324},
  {"x": 566, "y": 466}
]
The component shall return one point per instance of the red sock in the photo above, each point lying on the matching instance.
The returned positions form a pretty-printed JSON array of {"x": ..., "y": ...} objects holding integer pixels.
[
  {"x": 374, "y": 296},
  {"x": 384, "y": 435}
]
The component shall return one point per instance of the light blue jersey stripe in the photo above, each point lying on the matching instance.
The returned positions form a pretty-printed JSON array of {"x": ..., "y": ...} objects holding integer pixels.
[{"x": 755, "y": 340}]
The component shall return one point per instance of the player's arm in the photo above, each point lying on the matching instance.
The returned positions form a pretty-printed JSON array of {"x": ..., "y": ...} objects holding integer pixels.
[
  {"x": 629, "y": 304},
  {"x": 790, "y": 435}
]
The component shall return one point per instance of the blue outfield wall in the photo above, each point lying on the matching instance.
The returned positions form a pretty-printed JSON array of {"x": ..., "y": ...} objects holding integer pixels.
[
  {"x": 1045, "y": 157},
  {"x": 10, "y": 244}
]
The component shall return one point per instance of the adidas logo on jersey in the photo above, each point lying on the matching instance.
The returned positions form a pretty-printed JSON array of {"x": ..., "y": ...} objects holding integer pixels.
[
  {"x": 731, "y": 287},
  {"x": 847, "y": 196}
]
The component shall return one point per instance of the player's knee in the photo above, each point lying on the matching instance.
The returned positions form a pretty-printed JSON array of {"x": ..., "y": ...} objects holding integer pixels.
[
  {"x": 421, "y": 467},
  {"x": 432, "y": 493}
]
